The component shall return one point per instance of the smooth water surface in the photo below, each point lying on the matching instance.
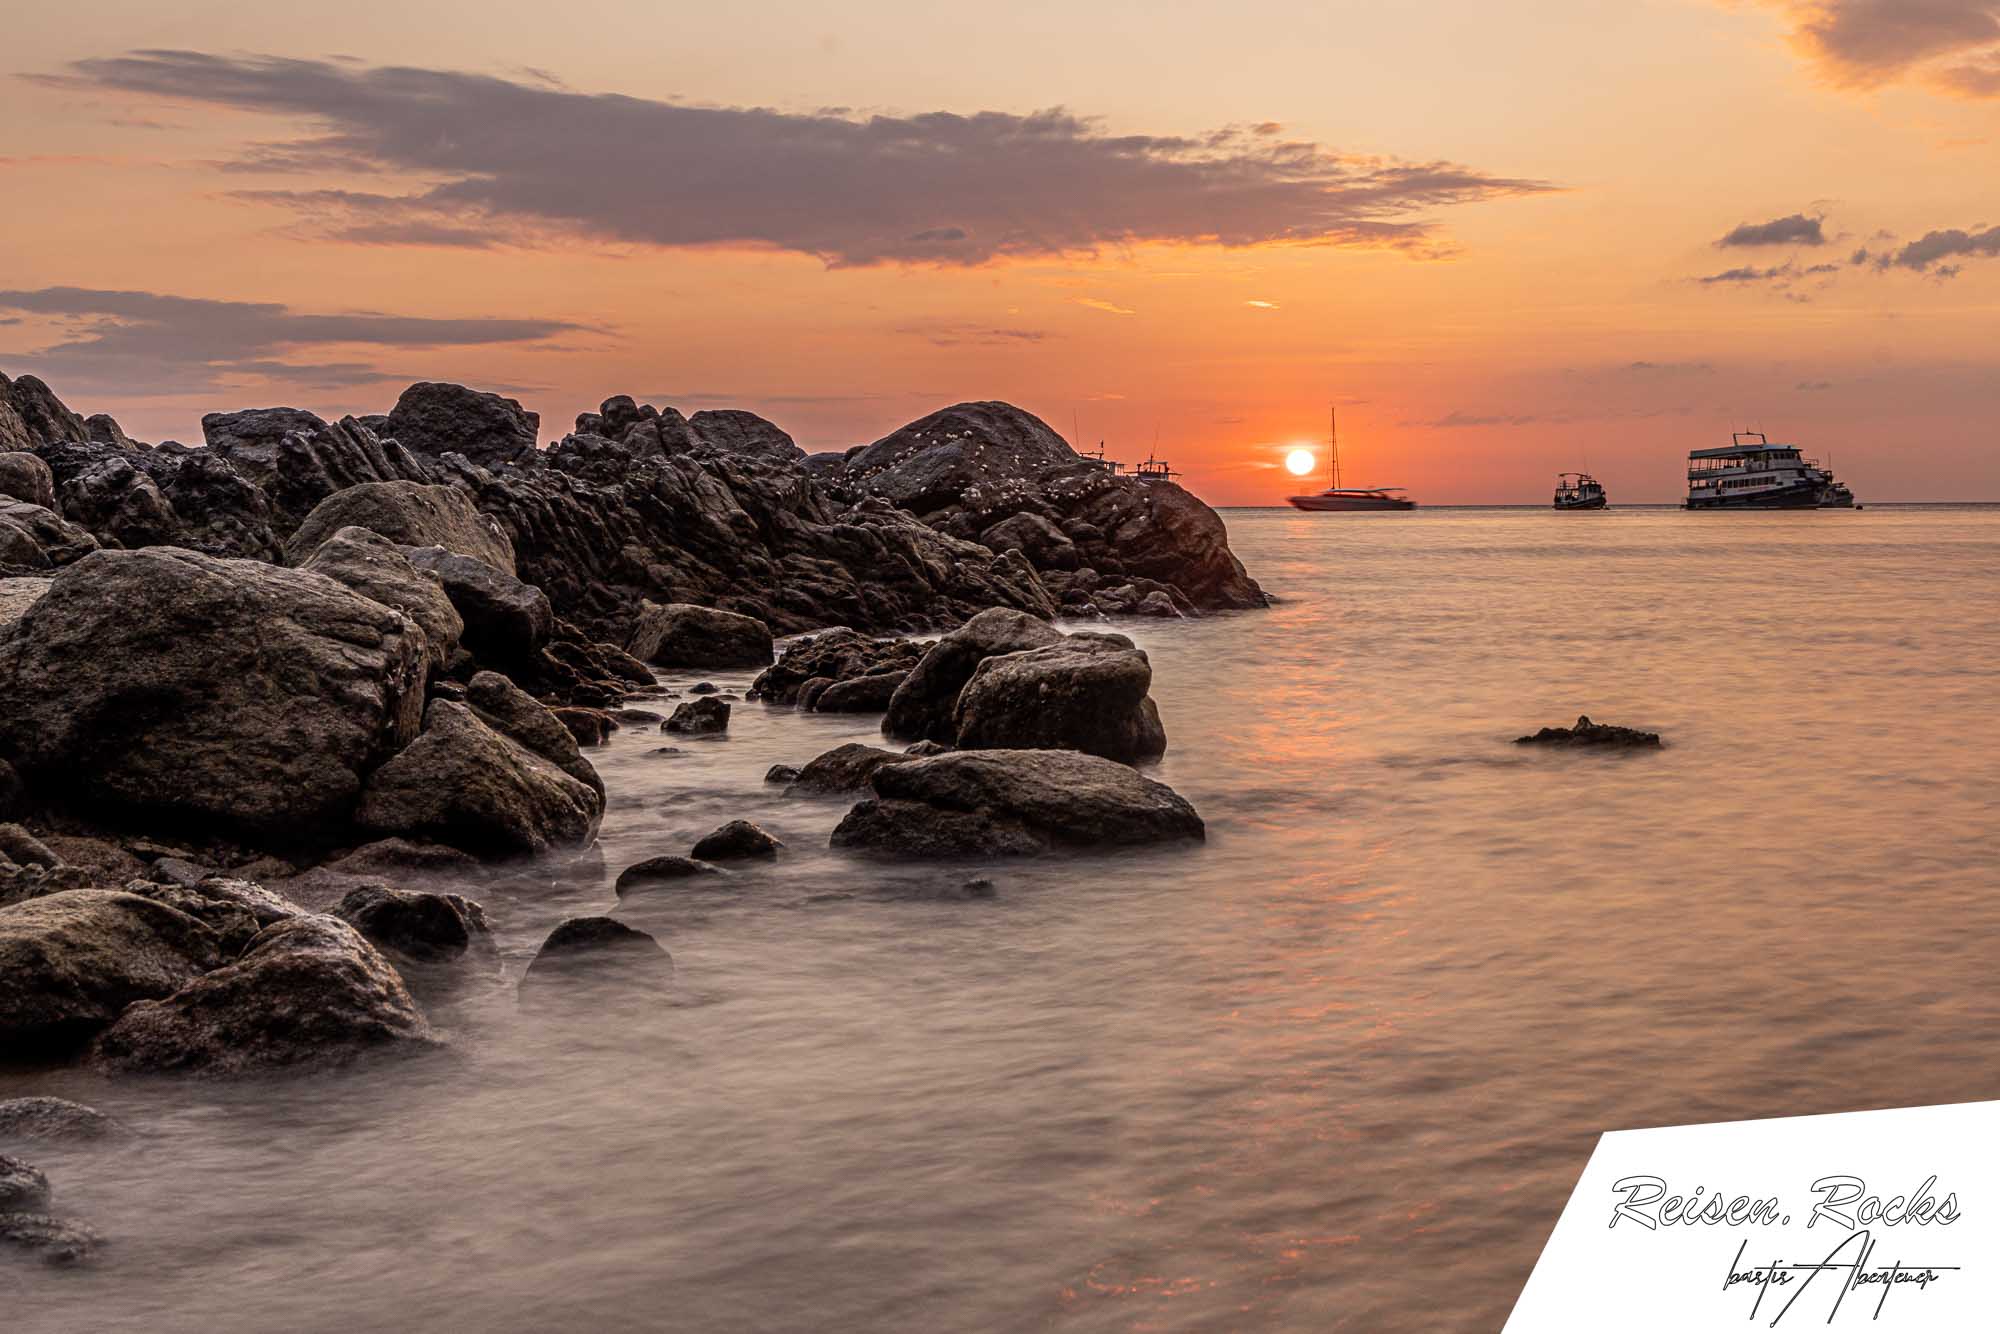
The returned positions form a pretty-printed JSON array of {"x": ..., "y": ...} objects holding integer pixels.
[{"x": 1337, "y": 1070}]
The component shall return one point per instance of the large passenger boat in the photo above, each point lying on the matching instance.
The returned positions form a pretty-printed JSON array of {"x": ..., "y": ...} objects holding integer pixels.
[{"x": 1754, "y": 474}]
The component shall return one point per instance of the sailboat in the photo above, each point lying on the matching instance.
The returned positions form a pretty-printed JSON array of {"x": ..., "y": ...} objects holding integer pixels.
[{"x": 1348, "y": 499}]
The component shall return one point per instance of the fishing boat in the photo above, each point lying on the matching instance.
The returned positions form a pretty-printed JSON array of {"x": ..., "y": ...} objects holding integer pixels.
[
  {"x": 1349, "y": 499},
  {"x": 1579, "y": 491},
  {"x": 1754, "y": 474}
]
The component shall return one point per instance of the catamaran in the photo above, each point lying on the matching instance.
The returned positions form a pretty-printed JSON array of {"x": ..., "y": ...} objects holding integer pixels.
[
  {"x": 1579, "y": 491},
  {"x": 1338, "y": 498},
  {"x": 1754, "y": 474}
]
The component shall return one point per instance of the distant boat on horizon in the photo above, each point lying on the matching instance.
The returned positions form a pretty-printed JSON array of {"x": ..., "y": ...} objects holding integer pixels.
[
  {"x": 1579, "y": 491},
  {"x": 1349, "y": 499},
  {"x": 1754, "y": 474}
]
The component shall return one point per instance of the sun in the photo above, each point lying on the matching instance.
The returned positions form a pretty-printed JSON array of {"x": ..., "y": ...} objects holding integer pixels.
[{"x": 1299, "y": 462}]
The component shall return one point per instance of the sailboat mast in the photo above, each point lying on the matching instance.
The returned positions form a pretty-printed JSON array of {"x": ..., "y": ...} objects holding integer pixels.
[{"x": 1333, "y": 442}]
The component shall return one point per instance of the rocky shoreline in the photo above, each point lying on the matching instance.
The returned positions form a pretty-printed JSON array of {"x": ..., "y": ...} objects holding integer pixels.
[{"x": 268, "y": 698}]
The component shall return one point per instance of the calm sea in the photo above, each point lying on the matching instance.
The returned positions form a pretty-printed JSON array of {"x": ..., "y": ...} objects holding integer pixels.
[{"x": 1337, "y": 1070}]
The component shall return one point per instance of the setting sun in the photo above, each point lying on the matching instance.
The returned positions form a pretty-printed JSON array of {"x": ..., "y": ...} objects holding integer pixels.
[{"x": 1299, "y": 462}]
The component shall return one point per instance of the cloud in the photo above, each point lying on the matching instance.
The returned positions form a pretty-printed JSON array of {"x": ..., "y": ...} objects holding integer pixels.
[
  {"x": 526, "y": 162},
  {"x": 1813, "y": 386},
  {"x": 1931, "y": 247},
  {"x": 1798, "y": 229},
  {"x": 1670, "y": 367},
  {"x": 1262, "y": 305},
  {"x": 1097, "y": 303},
  {"x": 1778, "y": 276},
  {"x": 972, "y": 335},
  {"x": 1952, "y": 45},
  {"x": 145, "y": 342}
]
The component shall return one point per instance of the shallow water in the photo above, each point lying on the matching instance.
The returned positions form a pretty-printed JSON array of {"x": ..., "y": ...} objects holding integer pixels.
[{"x": 1335, "y": 1070}]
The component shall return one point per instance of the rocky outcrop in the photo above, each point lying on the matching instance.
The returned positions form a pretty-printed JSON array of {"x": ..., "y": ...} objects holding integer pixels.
[
  {"x": 61, "y": 1242},
  {"x": 869, "y": 693},
  {"x": 31, "y": 414},
  {"x": 377, "y": 568},
  {"x": 1087, "y": 693},
  {"x": 235, "y": 910},
  {"x": 924, "y": 704},
  {"x": 828, "y": 657},
  {"x": 708, "y": 716},
  {"x": 71, "y": 962},
  {"x": 34, "y": 539},
  {"x": 297, "y": 460},
  {"x": 23, "y": 1187},
  {"x": 506, "y": 621},
  {"x": 511, "y": 711},
  {"x": 680, "y": 634},
  {"x": 409, "y": 514},
  {"x": 434, "y": 419},
  {"x": 1588, "y": 733},
  {"x": 732, "y": 431},
  {"x": 843, "y": 769},
  {"x": 309, "y": 992},
  {"x": 466, "y": 785},
  {"x": 737, "y": 840},
  {"x": 25, "y": 478},
  {"x": 1012, "y": 803},
  {"x": 226, "y": 695}
]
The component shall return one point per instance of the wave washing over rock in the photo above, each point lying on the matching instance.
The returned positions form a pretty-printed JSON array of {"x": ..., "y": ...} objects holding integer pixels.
[{"x": 270, "y": 697}]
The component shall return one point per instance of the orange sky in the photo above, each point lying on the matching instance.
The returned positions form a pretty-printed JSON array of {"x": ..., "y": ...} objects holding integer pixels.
[{"x": 1483, "y": 233}]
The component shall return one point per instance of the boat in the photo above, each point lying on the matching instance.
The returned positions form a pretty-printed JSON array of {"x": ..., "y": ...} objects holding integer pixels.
[
  {"x": 1837, "y": 496},
  {"x": 1349, "y": 499},
  {"x": 1754, "y": 474},
  {"x": 1579, "y": 491}
]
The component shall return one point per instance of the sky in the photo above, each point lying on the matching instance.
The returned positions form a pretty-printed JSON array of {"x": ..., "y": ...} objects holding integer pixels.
[{"x": 1505, "y": 240}]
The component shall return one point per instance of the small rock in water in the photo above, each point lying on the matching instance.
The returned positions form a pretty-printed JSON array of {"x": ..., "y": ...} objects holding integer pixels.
[
  {"x": 923, "y": 748},
  {"x": 666, "y": 750},
  {"x": 660, "y": 870},
  {"x": 781, "y": 773},
  {"x": 53, "y": 1119},
  {"x": 641, "y": 716},
  {"x": 1588, "y": 733},
  {"x": 592, "y": 948},
  {"x": 737, "y": 839},
  {"x": 699, "y": 717},
  {"x": 703, "y": 688},
  {"x": 23, "y": 1188},
  {"x": 57, "y": 1241}
]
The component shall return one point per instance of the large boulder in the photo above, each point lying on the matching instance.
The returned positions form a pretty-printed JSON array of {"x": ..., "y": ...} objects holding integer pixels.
[
  {"x": 31, "y": 414},
  {"x": 843, "y": 769},
  {"x": 24, "y": 477},
  {"x": 435, "y": 419},
  {"x": 738, "y": 840},
  {"x": 933, "y": 461},
  {"x": 417, "y": 926},
  {"x": 923, "y": 705},
  {"x": 513, "y": 712},
  {"x": 1086, "y": 693},
  {"x": 408, "y": 513},
  {"x": 235, "y": 910},
  {"x": 1013, "y": 802},
  {"x": 297, "y": 460},
  {"x": 376, "y": 568},
  {"x": 830, "y": 656},
  {"x": 505, "y": 619},
  {"x": 1046, "y": 546},
  {"x": 17, "y": 595},
  {"x": 227, "y": 694},
  {"x": 464, "y": 784},
  {"x": 120, "y": 503},
  {"x": 869, "y": 693},
  {"x": 680, "y": 634},
  {"x": 745, "y": 434},
  {"x": 309, "y": 992},
  {"x": 34, "y": 539},
  {"x": 71, "y": 962}
]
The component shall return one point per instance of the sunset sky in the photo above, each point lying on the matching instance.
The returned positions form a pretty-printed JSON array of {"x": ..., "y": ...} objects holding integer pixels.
[{"x": 1508, "y": 240}]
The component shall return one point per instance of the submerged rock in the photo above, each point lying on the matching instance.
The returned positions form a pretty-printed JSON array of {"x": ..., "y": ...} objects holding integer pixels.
[
  {"x": 697, "y": 717},
  {"x": 656, "y": 871},
  {"x": 1588, "y": 733},
  {"x": 922, "y": 706},
  {"x": 420, "y": 927},
  {"x": 681, "y": 634},
  {"x": 53, "y": 1120},
  {"x": 71, "y": 962},
  {"x": 734, "y": 841},
  {"x": 23, "y": 1187},
  {"x": 1086, "y": 692},
  {"x": 309, "y": 992},
  {"x": 596, "y": 950},
  {"x": 56, "y": 1241},
  {"x": 1013, "y": 802},
  {"x": 844, "y": 769}
]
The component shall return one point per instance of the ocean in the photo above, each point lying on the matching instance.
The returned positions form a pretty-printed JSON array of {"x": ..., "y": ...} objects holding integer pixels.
[{"x": 1337, "y": 1069}]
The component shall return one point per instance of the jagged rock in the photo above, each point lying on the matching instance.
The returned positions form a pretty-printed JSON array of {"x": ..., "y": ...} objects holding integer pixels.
[
  {"x": 655, "y": 871},
  {"x": 931, "y": 463},
  {"x": 591, "y": 951},
  {"x": 844, "y": 769},
  {"x": 735, "y": 841},
  {"x": 409, "y": 514},
  {"x": 680, "y": 634},
  {"x": 1086, "y": 693},
  {"x": 308, "y": 992},
  {"x": 376, "y": 568},
  {"x": 587, "y": 727},
  {"x": 17, "y": 595},
  {"x": 70, "y": 962},
  {"x": 467, "y": 785},
  {"x": 831, "y": 655},
  {"x": 511, "y": 711},
  {"x": 1587, "y": 733},
  {"x": 436, "y": 419},
  {"x": 298, "y": 460},
  {"x": 226, "y": 694},
  {"x": 1046, "y": 546},
  {"x": 505, "y": 619},
  {"x": 698, "y": 717},
  {"x": 417, "y": 926},
  {"x": 235, "y": 910},
  {"x": 113, "y": 498},
  {"x": 56, "y": 1241},
  {"x": 53, "y": 1120},
  {"x": 23, "y": 1187},
  {"x": 1013, "y": 802},
  {"x": 30, "y": 414},
  {"x": 923, "y": 705},
  {"x": 26, "y": 478},
  {"x": 732, "y": 431},
  {"x": 34, "y": 539}
]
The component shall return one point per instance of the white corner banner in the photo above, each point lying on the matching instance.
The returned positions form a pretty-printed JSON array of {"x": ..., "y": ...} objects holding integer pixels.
[{"x": 1886, "y": 1221}]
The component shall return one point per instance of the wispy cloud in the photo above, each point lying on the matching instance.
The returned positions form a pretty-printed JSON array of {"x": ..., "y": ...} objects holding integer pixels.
[
  {"x": 1262, "y": 305},
  {"x": 522, "y": 161},
  {"x": 1951, "y": 45},
  {"x": 1797, "y": 229},
  {"x": 1926, "y": 253},
  {"x": 945, "y": 334},
  {"x": 1098, "y": 303},
  {"x": 137, "y": 343}
]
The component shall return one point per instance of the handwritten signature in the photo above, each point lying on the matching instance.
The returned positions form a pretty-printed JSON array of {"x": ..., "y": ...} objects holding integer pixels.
[{"x": 1852, "y": 1257}]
